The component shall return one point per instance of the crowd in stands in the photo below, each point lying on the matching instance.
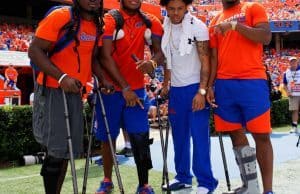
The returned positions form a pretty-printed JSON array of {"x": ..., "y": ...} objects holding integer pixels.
[
  {"x": 15, "y": 37},
  {"x": 277, "y": 62},
  {"x": 276, "y": 9}
]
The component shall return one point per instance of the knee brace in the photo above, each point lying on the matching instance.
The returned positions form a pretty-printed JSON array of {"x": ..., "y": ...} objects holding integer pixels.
[
  {"x": 140, "y": 144},
  {"x": 53, "y": 172}
]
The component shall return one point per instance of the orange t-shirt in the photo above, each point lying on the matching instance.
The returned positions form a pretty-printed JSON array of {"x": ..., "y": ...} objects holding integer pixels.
[
  {"x": 239, "y": 57},
  {"x": 132, "y": 43},
  {"x": 66, "y": 60},
  {"x": 11, "y": 73}
]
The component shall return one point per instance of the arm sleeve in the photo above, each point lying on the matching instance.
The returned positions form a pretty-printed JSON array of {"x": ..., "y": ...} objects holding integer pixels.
[{"x": 200, "y": 31}]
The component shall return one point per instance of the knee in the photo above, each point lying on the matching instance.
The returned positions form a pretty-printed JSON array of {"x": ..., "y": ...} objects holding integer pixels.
[
  {"x": 262, "y": 138},
  {"x": 52, "y": 166},
  {"x": 238, "y": 138},
  {"x": 141, "y": 149}
]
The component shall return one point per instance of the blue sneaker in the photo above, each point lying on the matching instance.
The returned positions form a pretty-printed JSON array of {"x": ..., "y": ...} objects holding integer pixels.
[
  {"x": 146, "y": 189},
  {"x": 175, "y": 185},
  {"x": 105, "y": 187},
  {"x": 269, "y": 192}
]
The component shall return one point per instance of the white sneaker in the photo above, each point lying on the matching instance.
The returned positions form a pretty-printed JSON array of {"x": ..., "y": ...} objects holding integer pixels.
[
  {"x": 175, "y": 185},
  {"x": 202, "y": 190}
]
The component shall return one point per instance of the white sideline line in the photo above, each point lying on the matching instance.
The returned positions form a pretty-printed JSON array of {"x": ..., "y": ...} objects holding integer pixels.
[{"x": 17, "y": 178}]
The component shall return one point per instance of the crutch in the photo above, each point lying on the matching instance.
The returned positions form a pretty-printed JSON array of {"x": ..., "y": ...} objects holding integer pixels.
[
  {"x": 90, "y": 135},
  {"x": 69, "y": 137},
  {"x": 121, "y": 188},
  {"x": 224, "y": 162},
  {"x": 164, "y": 145},
  {"x": 298, "y": 141}
]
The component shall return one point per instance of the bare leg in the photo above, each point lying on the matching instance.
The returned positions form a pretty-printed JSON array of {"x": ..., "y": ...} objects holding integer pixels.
[
  {"x": 107, "y": 159},
  {"x": 264, "y": 154},
  {"x": 238, "y": 138},
  {"x": 295, "y": 115}
]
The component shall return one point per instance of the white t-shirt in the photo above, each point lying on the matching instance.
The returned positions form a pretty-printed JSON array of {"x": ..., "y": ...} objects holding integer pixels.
[
  {"x": 292, "y": 80},
  {"x": 185, "y": 70}
]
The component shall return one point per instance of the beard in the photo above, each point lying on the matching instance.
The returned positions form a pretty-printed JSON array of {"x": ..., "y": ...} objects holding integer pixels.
[
  {"x": 130, "y": 9},
  {"x": 93, "y": 12},
  {"x": 230, "y": 2}
]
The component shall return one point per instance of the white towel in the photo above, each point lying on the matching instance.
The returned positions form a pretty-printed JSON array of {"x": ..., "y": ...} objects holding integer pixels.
[{"x": 184, "y": 46}]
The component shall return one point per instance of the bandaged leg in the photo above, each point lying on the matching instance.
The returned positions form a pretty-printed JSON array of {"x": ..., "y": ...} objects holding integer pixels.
[
  {"x": 140, "y": 144},
  {"x": 246, "y": 160},
  {"x": 54, "y": 172}
]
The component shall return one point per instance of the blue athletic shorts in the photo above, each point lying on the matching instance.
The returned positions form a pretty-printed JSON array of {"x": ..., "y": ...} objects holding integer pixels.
[
  {"x": 134, "y": 119},
  {"x": 242, "y": 103}
]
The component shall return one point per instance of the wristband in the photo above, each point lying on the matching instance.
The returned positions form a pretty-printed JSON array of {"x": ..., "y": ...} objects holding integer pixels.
[
  {"x": 61, "y": 78},
  {"x": 126, "y": 88}
]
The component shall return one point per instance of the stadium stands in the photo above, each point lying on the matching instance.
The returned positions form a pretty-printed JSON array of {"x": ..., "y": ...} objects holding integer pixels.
[
  {"x": 15, "y": 37},
  {"x": 283, "y": 14}
]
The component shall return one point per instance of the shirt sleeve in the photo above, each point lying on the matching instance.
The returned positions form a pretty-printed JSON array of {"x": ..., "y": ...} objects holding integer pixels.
[
  {"x": 156, "y": 28},
  {"x": 109, "y": 27},
  {"x": 212, "y": 36},
  {"x": 200, "y": 31},
  {"x": 258, "y": 14},
  {"x": 49, "y": 28}
]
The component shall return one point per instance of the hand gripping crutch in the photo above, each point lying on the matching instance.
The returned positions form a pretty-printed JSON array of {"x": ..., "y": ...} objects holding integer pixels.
[
  {"x": 86, "y": 168},
  {"x": 121, "y": 188},
  {"x": 70, "y": 145},
  {"x": 224, "y": 162},
  {"x": 164, "y": 145}
]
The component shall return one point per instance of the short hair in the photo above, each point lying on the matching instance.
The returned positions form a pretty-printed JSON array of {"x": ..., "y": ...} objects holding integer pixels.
[{"x": 166, "y": 2}]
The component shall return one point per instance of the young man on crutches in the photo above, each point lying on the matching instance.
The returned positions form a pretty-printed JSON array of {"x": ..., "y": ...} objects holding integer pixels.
[
  {"x": 129, "y": 104},
  {"x": 57, "y": 112},
  {"x": 241, "y": 92}
]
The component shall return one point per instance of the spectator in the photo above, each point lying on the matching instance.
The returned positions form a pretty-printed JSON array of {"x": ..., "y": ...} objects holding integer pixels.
[
  {"x": 62, "y": 76},
  {"x": 129, "y": 103},
  {"x": 291, "y": 81},
  {"x": 11, "y": 77}
]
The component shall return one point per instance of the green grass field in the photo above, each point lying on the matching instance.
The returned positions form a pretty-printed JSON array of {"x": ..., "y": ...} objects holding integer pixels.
[{"x": 26, "y": 179}]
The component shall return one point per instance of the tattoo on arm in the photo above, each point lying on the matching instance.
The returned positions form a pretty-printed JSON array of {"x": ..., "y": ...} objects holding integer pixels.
[
  {"x": 202, "y": 47},
  {"x": 204, "y": 52}
]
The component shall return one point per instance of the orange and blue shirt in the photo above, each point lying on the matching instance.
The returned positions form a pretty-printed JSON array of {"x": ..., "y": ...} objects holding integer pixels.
[
  {"x": 133, "y": 42},
  {"x": 66, "y": 60},
  {"x": 239, "y": 57}
]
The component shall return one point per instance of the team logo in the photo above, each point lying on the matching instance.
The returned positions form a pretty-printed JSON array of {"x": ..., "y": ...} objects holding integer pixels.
[
  {"x": 138, "y": 24},
  {"x": 87, "y": 37}
]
